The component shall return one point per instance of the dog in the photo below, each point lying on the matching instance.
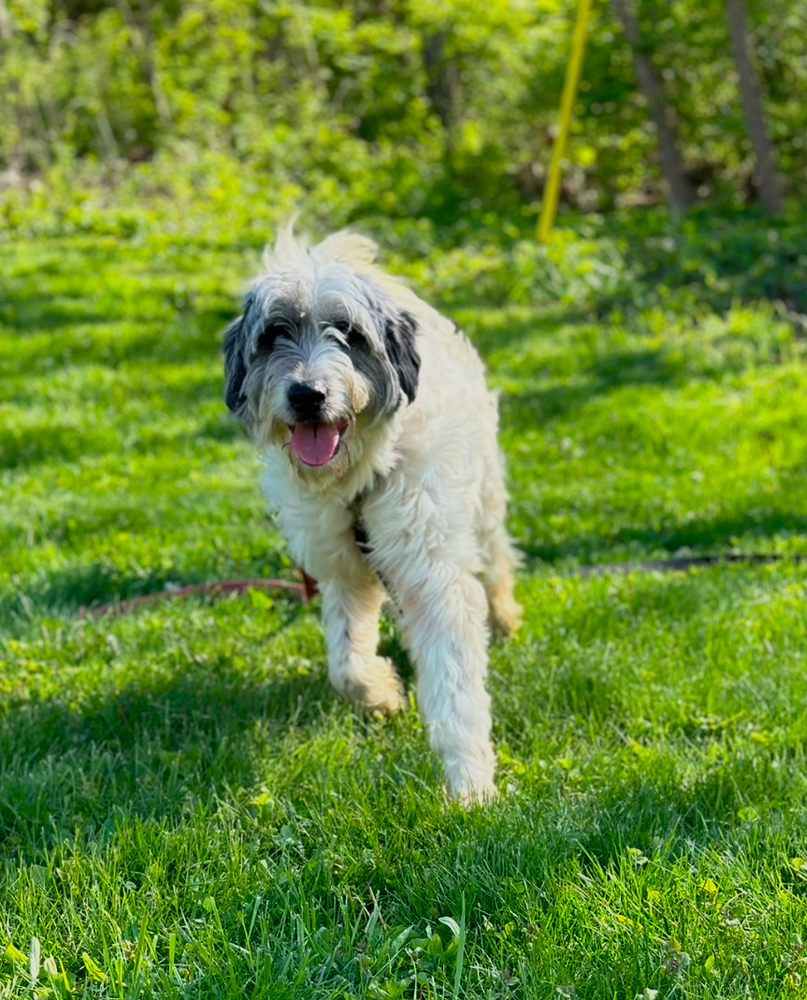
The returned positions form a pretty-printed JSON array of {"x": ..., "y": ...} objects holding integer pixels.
[{"x": 379, "y": 436}]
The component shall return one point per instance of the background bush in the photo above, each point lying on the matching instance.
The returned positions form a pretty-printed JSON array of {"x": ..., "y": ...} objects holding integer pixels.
[{"x": 398, "y": 108}]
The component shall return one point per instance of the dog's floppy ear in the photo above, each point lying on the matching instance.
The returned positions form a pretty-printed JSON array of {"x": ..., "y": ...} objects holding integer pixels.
[
  {"x": 400, "y": 341},
  {"x": 235, "y": 370}
]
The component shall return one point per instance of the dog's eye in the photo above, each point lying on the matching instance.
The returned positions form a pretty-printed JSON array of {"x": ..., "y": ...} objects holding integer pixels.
[
  {"x": 270, "y": 333},
  {"x": 352, "y": 334}
]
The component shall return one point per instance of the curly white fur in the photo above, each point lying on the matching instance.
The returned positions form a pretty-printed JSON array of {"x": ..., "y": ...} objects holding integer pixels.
[{"x": 417, "y": 477}]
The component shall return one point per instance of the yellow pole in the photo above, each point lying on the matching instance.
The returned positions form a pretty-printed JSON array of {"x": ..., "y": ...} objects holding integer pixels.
[{"x": 552, "y": 192}]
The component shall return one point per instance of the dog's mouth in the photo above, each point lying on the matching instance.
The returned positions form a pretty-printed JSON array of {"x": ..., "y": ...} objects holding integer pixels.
[{"x": 316, "y": 443}]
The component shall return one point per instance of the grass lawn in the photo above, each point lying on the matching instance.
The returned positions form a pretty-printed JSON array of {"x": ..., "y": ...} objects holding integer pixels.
[{"x": 188, "y": 810}]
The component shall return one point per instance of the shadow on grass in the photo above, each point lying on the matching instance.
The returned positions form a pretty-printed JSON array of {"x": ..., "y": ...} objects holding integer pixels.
[
  {"x": 184, "y": 735},
  {"x": 722, "y": 258},
  {"x": 147, "y": 749},
  {"x": 45, "y": 442},
  {"x": 178, "y": 337},
  {"x": 743, "y": 532},
  {"x": 24, "y": 447},
  {"x": 625, "y": 819},
  {"x": 48, "y": 441},
  {"x": 719, "y": 532},
  {"x": 68, "y": 591},
  {"x": 658, "y": 810},
  {"x": 47, "y": 314},
  {"x": 157, "y": 749},
  {"x": 619, "y": 369},
  {"x": 502, "y": 331},
  {"x": 207, "y": 703}
]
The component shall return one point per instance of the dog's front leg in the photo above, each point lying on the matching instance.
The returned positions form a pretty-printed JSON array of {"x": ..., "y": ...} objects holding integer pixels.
[
  {"x": 350, "y": 612},
  {"x": 446, "y": 628}
]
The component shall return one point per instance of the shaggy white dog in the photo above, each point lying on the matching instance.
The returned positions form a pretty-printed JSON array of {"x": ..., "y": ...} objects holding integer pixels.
[{"x": 382, "y": 462}]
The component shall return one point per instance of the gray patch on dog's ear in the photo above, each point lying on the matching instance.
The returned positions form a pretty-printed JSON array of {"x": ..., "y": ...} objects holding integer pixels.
[
  {"x": 400, "y": 341},
  {"x": 235, "y": 369}
]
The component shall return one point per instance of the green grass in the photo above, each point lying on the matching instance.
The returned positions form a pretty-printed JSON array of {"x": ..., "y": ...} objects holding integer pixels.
[{"x": 188, "y": 810}]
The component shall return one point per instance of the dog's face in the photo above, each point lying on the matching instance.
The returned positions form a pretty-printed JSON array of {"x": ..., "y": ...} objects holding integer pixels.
[{"x": 320, "y": 354}]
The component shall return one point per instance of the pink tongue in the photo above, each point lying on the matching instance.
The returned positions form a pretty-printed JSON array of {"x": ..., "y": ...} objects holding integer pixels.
[{"x": 315, "y": 444}]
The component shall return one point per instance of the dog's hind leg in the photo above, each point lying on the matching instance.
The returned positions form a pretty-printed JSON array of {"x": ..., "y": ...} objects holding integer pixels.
[
  {"x": 500, "y": 558},
  {"x": 350, "y": 612},
  {"x": 498, "y": 577}
]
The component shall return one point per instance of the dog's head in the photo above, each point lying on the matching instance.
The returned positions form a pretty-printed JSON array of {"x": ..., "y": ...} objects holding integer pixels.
[{"x": 321, "y": 353}]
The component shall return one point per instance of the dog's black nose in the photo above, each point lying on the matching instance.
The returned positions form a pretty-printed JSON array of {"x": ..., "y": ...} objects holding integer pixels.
[{"x": 305, "y": 400}]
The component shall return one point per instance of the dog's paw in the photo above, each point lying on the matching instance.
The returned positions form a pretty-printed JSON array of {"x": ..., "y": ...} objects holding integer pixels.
[
  {"x": 471, "y": 796},
  {"x": 386, "y": 692},
  {"x": 381, "y": 690},
  {"x": 470, "y": 778},
  {"x": 505, "y": 614}
]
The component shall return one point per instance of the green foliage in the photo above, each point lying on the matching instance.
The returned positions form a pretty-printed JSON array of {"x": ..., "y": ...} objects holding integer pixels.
[
  {"x": 187, "y": 809},
  {"x": 410, "y": 107}
]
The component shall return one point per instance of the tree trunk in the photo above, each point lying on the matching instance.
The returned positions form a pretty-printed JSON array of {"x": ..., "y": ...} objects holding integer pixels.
[
  {"x": 5, "y": 22},
  {"x": 752, "y": 104},
  {"x": 144, "y": 44},
  {"x": 443, "y": 85},
  {"x": 681, "y": 193}
]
